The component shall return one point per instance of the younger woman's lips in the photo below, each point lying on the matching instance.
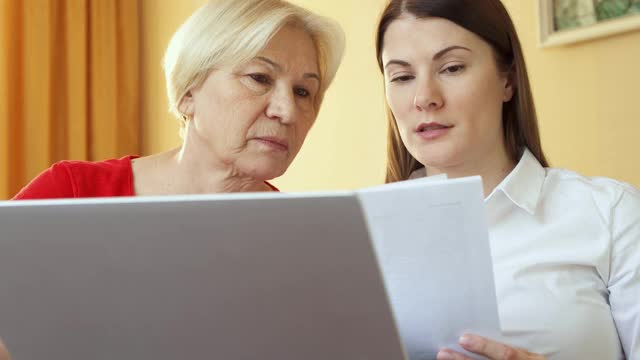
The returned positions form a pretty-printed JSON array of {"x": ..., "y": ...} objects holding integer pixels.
[{"x": 433, "y": 134}]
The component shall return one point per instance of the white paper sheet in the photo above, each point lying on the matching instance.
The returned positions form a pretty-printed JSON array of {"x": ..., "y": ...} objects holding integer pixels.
[{"x": 432, "y": 243}]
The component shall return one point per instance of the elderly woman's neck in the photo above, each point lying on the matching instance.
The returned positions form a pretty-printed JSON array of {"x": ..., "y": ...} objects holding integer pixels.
[
  {"x": 178, "y": 172},
  {"x": 201, "y": 174}
]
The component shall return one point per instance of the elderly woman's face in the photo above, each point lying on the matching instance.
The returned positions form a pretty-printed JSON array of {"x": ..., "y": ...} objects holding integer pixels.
[{"x": 254, "y": 118}]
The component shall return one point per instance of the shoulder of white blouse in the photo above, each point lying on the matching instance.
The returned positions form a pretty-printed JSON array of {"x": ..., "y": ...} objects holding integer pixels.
[{"x": 606, "y": 192}]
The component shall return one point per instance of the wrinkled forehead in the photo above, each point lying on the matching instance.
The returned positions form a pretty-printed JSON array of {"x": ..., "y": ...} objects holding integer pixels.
[{"x": 293, "y": 49}]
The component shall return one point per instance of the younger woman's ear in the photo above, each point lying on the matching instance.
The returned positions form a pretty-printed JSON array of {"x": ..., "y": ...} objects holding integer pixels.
[
  {"x": 187, "y": 105},
  {"x": 509, "y": 86}
]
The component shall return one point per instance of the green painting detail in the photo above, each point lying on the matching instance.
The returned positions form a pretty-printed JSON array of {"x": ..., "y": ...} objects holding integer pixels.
[{"x": 569, "y": 14}]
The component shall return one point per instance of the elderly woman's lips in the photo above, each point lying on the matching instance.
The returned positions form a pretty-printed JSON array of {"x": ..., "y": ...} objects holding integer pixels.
[{"x": 273, "y": 143}]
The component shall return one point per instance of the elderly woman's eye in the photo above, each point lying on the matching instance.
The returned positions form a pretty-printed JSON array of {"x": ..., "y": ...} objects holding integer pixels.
[
  {"x": 261, "y": 78},
  {"x": 301, "y": 92}
]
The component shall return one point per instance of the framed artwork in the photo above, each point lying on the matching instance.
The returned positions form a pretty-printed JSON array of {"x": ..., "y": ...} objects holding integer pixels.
[{"x": 568, "y": 21}]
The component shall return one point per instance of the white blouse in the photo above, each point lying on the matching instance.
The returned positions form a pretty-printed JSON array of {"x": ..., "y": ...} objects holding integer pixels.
[{"x": 566, "y": 253}]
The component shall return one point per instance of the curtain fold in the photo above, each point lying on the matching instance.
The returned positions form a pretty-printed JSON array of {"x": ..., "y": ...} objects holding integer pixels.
[{"x": 69, "y": 84}]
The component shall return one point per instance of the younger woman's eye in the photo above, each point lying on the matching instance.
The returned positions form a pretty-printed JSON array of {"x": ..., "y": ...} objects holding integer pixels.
[
  {"x": 301, "y": 92},
  {"x": 261, "y": 78},
  {"x": 454, "y": 69},
  {"x": 402, "y": 78}
]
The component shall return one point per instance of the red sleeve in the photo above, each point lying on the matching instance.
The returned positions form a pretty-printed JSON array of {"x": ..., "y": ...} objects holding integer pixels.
[
  {"x": 272, "y": 187},
  {"x": 55, "y": 182}
]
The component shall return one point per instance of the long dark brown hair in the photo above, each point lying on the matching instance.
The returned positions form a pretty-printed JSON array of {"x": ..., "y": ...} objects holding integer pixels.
[{"x": 490, "y": 20}]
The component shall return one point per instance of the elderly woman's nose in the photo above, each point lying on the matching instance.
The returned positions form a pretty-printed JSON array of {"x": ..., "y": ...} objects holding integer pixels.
[{"x": 282, "y": 106}]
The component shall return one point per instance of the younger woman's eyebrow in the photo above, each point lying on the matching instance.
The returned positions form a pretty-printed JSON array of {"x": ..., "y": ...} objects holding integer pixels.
[
  {"x": 437, "y": 56},
  {"x": 396, "y": 62},
  {"x": 442, "y": 52}
]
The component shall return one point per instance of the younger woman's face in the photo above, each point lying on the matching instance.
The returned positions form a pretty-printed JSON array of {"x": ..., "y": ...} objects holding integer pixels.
[{"x": 445, "y": 91}]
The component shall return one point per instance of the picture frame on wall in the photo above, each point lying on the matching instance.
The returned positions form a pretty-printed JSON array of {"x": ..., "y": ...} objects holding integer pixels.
[{"x": 564, "y": 22}]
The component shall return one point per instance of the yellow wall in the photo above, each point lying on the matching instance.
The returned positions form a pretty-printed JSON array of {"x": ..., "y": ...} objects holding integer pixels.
[
  {"x": 160, "y": 18},
  {"x": 586, "y": 94},
  {"x": 588, "y": 99}
]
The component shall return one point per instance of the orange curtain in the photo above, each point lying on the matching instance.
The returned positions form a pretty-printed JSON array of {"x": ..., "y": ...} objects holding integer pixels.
[{"x": 69, "y": 84}]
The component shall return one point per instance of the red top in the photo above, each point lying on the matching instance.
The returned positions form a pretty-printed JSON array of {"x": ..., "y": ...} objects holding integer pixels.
[{"x": 84, "y": 179}]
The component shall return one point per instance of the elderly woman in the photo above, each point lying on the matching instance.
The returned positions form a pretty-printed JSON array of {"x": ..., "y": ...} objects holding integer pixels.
[
  {"x": 246, "y": 79},
  {"x": 565, "y": 248}
]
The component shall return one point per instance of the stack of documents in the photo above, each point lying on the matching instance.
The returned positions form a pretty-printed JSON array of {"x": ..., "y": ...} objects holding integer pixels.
[{"x": 432, "y": 243}]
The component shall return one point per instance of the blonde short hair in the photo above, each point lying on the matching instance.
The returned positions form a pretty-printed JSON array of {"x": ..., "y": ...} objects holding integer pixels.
[{"x": 232, "y": 32}]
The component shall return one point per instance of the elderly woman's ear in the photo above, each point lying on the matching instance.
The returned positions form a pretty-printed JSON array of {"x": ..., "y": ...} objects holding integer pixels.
[{"x": 186, "y": 106}]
